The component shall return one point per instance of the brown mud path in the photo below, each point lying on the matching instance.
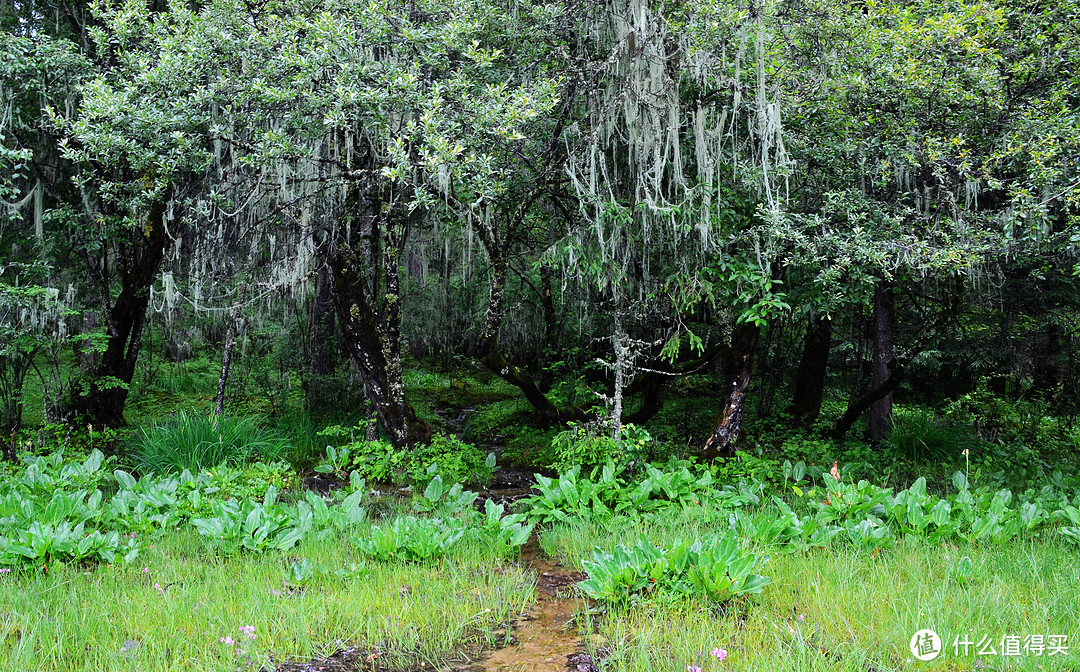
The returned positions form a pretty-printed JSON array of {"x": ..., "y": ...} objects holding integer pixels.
[{"x": 545, "y": 639}]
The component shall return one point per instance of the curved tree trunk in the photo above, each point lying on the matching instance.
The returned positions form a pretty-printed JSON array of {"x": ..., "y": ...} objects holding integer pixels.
[
  {"x": 493, "y": 359},
  {"x": 858, "y": 406},
  {"x": 738, "y": 365}
]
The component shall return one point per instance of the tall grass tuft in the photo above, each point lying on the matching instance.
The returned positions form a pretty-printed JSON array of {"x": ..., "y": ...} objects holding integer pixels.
[
  {"x": 197, "y": 442},
  {"x": 917, "y": 435}
]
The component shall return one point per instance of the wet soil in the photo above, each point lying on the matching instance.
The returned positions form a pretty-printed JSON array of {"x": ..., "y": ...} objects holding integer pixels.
[{"x": 545, "y": 639}]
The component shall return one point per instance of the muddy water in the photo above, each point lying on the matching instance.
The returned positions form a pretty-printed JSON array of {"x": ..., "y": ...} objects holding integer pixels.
[{"x": 546, "y": 637}]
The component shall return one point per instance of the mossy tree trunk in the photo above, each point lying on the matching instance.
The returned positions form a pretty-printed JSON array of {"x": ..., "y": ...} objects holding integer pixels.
[
  {"x": 738, "y": 363},
  {"x": 366, "y": 295}
]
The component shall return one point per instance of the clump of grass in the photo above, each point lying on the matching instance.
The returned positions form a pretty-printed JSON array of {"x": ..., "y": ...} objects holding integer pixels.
[
  {"x": 196, "y": 441},
  {"x": 918, "y": 436}
]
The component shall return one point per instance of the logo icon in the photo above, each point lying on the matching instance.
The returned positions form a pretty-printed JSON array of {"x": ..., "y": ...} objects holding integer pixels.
[{"x": 925, "y": 645}]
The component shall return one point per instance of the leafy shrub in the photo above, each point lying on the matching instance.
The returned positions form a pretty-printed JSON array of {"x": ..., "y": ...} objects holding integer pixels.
[
  {"x": 748, "y": 467},
  {"x": 316, "y": 517},
  {"x": 43, "y": 542},
  {"x": 605, "y": 493},
  {"x": 446, "y": 456},
  {"x": 200, "y": 442},
  {"x": 411, "y": 538},
  {"x": 248, "y": 525},
  {"x": 591, "y": 444},
  {"x": 574, "y": 496},
  {"x": 452, "y": 459},
  {"x": 446, "y": 502},
  {"x": 506, "y": 534}
]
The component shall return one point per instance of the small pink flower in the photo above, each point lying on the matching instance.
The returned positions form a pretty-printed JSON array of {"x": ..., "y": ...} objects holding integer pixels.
[
  {"x": 693, "y": 668},
  {"x": 227, "y": 641},
  {"x": 145, "y": 570},
  {"x": 719, "y": 653},
  {"x": 157, "y": 586}
]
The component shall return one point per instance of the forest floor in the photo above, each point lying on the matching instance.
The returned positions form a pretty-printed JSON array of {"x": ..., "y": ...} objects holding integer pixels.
[
  {"x": 181, "y": 606},
  {"x": 998, "y": 600}
]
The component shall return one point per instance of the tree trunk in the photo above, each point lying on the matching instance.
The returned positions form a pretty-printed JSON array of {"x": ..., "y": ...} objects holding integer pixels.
[
  {"x": 323, "y": 325},
  {"x": 371, "y": 324},
  {"x": 810, "y": 377},
  {"x": 493, "y": 359},
  {"x": 226, "y": 357},
  {"x": 139, "y": 264},
  {"x": 857, "y": 407},
  {"x": 738, "y": 362},
  {"x": 880, "y": 412}
]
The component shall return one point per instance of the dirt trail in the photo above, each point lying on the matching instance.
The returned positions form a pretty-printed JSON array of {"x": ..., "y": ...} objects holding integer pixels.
[{"x": 545, "y": 639}]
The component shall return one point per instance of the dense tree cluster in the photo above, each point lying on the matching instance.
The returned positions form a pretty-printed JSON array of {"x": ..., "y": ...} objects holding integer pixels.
[{"x": 770, "y": 190}]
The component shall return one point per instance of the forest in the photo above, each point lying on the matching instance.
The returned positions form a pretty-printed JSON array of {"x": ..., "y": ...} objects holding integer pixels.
[{"x": 539, "y": 335}]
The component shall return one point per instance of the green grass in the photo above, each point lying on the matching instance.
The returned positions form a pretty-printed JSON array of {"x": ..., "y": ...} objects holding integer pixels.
[
  {"x": 838, "y": 608},
  {"x": 199, "y": 441},
  {"x": 79, "y": 618}
]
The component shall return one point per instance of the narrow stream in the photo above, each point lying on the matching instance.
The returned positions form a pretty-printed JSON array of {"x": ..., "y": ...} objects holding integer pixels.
[{"x": 545, "y": 639}]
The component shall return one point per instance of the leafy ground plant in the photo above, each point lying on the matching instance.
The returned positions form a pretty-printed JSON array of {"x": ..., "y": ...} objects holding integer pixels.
[{"x": 714, "y": 568}]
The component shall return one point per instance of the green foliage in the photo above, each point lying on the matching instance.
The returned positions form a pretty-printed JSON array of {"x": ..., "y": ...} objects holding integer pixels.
[
  {"x": 316, "y": 519},
  {"x": 411, "y": 538},
  {"x": 250, "y": 526},
  {"x": 964, "y": 572},
  {"x": 529, "y": 447},
  {"x": 713, "y": 568},
  {"x": 572, "y": 496},
  {"x": 198, "y": 442},
  {"x": 919, "y": 437},
  {"x": 449, "y": 457},
  {"x": 590, "y": 445},
  {"x": 606, "y": 493},
  {"x": 378, "y": 461},
  {"x": 448, "y": 502},
  {"x": 300, "y": 573},
  {"x": 504, "y": 533},
  {"x": 337, "y": 459},
  {"x": 43, "y": 542}
]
